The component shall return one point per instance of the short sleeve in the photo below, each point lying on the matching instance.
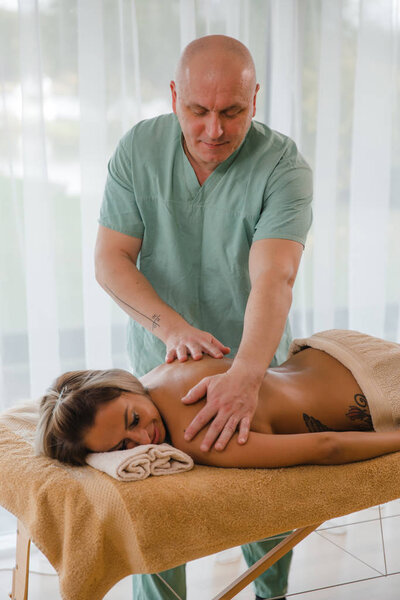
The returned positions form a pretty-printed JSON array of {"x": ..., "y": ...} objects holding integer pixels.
[
  {"x": 119, "y": 210},
  {"x": 287, "y": 212}
]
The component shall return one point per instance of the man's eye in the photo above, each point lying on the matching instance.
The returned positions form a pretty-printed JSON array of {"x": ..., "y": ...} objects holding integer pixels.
[{"x": 231, "y": 115}]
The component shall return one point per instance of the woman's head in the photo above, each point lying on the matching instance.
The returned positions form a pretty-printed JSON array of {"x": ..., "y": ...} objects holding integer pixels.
[{"x": 96, "y": 411}]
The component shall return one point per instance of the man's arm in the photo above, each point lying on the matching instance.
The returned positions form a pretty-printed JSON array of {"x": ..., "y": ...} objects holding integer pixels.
[
  {"x": 232, "y": 396},
  {"x": 116, "y": 271}
]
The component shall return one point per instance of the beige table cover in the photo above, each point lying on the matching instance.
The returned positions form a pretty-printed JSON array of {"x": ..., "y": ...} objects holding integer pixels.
[{"x": 95, "y": 530}]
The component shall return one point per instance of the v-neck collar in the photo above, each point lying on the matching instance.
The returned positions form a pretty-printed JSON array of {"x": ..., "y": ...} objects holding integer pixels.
[{"x": 196, "y": 190}]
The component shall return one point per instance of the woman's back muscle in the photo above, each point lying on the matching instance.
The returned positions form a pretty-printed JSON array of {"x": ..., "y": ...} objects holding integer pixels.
[{"x": 309, "y": 392}]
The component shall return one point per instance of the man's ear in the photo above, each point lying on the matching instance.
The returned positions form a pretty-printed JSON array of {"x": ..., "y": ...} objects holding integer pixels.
[
  {"x": 254, "y": 99},
  {"x": 173, "y": 94}
]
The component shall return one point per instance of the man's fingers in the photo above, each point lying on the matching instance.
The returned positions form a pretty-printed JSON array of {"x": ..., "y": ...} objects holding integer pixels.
[
  {"x": 244, "y": 429},
  {"x": 181, "y": 352},
  {"x": 200, "y": 420},
  {"x": 195, "y": 351},
  {"x": 194, "y": 343},
  {"x": 212, "y": 350},
  {"x": 196, "y": 393},
  {"x": 227, "y": 432},
  {"x": 224, "y": 349},
  {"x": 213, "y": 432},
  {"x": 170, "y": 356},
  {"x": 215, "y": 348}
]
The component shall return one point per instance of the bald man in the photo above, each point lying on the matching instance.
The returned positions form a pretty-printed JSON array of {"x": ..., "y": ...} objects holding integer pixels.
[{"x": 202, "y": 228}]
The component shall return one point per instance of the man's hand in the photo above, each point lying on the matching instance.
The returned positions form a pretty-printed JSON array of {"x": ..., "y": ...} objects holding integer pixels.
[
  {"x": 231, "y": 403},
  {"x": 193, "y": 342}
]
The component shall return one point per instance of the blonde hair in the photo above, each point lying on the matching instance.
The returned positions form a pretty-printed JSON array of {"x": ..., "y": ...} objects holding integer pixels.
[{"x": 69, "y": 407}]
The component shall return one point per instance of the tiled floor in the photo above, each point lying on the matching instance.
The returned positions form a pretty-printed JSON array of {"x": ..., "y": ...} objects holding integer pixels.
[{"x": 342, "y": 551}]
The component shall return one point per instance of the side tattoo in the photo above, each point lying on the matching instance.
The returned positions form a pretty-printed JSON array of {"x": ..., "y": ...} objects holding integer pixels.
[
  {"x": 314, "y": 425},
  {"x": 155, "y": 319},
  {"x": 360, "y": 413}
]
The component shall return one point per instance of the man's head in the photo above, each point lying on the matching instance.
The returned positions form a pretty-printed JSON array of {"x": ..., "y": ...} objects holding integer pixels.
[{"x": 214, "y": 98}]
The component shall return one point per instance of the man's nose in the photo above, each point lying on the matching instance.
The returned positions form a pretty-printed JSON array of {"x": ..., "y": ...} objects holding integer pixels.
[{"x": 214, "y": 126}]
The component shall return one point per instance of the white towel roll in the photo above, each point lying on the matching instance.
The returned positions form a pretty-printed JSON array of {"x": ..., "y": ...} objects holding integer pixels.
[{"x": 141, "y": 462}]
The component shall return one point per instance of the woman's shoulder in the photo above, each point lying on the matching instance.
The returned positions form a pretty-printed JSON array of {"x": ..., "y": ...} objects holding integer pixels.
[
  {"x": 168, "y": 383},
  {"x": 178, "y": 377}
]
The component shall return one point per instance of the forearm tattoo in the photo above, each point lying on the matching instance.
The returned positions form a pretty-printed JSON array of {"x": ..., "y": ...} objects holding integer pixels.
[
  {"x": 359, "y": 413},
  {"x": 154, "y": 319}
]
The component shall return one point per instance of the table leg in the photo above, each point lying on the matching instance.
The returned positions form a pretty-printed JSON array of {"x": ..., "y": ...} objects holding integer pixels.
[
  {"x": 21, "y": 570},
  {"x": 265, "y": 562}
]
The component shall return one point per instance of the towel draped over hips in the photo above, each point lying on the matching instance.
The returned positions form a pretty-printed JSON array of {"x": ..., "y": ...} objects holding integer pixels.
[{"x": 375, "y": 365}]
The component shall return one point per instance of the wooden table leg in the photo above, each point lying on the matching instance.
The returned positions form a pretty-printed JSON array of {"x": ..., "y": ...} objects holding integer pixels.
[
  {"x": 21, "y": 570},
  {"x": 265, "y": 562}
]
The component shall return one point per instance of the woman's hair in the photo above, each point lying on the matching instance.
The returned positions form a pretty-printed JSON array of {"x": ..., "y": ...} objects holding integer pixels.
[{"x": 69, "y": 407}]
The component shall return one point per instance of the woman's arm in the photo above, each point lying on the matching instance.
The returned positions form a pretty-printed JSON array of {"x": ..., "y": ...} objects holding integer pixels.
[{"x": 270, "y": 450}]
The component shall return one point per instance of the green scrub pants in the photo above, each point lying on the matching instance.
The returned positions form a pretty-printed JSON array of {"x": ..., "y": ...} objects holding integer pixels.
[{"x": 271, "y": 584}]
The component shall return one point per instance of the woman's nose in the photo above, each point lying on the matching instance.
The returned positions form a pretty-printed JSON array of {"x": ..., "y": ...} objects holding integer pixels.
[{"x": 140, "y": 437}]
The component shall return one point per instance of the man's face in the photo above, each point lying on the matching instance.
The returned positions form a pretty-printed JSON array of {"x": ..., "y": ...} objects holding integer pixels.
[{"x": 214, "y": 110}]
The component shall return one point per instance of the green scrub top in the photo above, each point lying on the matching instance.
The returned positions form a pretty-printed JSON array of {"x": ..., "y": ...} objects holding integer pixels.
[{"x": 196, "y": 239}]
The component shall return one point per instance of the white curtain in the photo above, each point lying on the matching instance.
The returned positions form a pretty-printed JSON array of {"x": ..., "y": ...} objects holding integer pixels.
[{"x": 79, "y": 73}]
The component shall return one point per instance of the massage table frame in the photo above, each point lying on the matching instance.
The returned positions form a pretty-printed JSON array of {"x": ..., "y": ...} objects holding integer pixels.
[{"x": 20, "y": 581}]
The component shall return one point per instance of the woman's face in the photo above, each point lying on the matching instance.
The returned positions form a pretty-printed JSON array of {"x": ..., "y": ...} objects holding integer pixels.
[{"x": 128, "y": 421}]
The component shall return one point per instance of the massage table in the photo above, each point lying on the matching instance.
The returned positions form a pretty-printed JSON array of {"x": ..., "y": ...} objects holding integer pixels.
[{"x": 95, "y": 530}]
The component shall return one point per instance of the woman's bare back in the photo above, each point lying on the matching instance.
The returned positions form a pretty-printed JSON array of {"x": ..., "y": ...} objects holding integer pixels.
[
  {"x": 317, "y": 393},
  {"x": 310, "y": 392}
]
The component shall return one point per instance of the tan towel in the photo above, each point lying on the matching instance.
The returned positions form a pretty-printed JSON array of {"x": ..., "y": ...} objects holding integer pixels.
[
  {"x": 141, "y": 462},
  {"x": 374, "y": 363}
]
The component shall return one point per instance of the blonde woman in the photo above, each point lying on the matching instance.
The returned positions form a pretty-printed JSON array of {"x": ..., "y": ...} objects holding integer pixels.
[{"x": 312, "y": 392}]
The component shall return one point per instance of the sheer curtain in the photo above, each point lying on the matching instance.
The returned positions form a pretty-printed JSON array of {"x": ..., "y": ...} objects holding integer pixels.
[{"x": 79, "y": 74}]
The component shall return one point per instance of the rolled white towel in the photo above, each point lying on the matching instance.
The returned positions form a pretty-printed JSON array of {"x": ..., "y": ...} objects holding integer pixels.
[{"x": 141, "y": 462}]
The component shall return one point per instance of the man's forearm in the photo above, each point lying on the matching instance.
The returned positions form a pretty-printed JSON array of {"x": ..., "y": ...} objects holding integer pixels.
[
  {"x": 130, "y": 289},
  {"x": 233, "y": 395},
  {"x": 266, "y": 313}
]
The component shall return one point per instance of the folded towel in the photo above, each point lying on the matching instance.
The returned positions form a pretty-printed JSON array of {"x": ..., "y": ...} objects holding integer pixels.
[
  {"x": 375, "y": 365},
  {"x": 141, "y": 462}
]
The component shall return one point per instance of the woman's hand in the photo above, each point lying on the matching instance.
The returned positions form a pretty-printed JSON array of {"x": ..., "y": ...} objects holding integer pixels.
[
  {"x": 193, "y": 342},
  {"x": 232, "y": 399}
]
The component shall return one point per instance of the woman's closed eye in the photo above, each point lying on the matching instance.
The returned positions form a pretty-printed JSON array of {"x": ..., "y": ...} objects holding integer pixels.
[
  {"x": 135, "y": 420},
  {"x": 133, "y": 423}
]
